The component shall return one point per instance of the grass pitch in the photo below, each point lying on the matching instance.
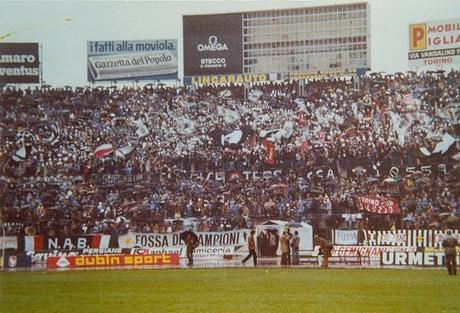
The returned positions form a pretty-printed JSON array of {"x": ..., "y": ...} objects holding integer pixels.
[{"x": 231, "y": 290}]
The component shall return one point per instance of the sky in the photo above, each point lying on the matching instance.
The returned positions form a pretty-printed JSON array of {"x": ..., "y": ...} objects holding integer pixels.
[{"x": 64, "y": 42}]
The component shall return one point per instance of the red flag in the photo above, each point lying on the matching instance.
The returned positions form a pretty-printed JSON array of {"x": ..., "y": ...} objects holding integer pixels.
[
  {"x": 322, "y": 136},
  {"x": 302, "y": 120},
  {"x": 408, "y": 99},
  {"x": 270, "y": 156},
  {"x": 33, "y": 243},
  {"x": 254, "y": 141},
  {"x": 304, "y": 147},
  {"x": 103, "y": 150}
]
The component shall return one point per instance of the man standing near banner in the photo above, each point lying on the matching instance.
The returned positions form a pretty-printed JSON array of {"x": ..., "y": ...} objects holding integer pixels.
[
  {"x": 325, "y": 249},
  {"x": 450, "y": 244},
  {"x": 191, "y": 245},
  {"x": 295, "y": 245},
  {"x": 284, "y": 245},
  {"x": 251, "y": 248}
]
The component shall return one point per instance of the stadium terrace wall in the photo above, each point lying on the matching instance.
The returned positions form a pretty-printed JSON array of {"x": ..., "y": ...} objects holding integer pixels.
[{"x": 330, "y": 171}]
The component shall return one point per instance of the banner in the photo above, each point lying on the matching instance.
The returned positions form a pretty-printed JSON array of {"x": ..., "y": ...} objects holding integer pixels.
[
  {"x": 222, "y": 243},
  {"x": 8, "y": 242},
  {"x": 199, "y": 252},
  {"x": 421, "y": 238},
  {"x": 112, "y": 260},
  {"x": 19, "y": 63},
  {"x": 378, "y": 204},
  {"x": 324, "y": 74},
  {"x": 225, "y": 79},
  {"x": 414, "y": 258},
  {"x": 434, "y": 43},
  {"x": 329, "y": 172},
  {"x": 355, "y": 251},
  {"x": 14, "y": 261},
  {"x": 132, "y": 60},
  {"x": 42, "y": 243},
  {"x": 345, "y": 237},
  {"x": 213, "y": 44}
]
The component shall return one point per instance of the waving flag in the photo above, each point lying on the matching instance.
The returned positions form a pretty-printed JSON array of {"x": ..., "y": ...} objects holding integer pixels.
[
  {"x": 20, "y": 155},
  {"x": 123, "y": 152},
  {"x": 408, "y": 99},
  {"x": 270, "y": 156},
  {"x": 142, "y": 130},
  {"x": 305, "y": 146},
  {"x": 232, "y": 138},
  {"x": 103, "y": 150}
]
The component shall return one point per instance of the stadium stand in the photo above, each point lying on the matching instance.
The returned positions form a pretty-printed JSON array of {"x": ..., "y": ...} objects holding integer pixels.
[{"x": 107, "y": 160}]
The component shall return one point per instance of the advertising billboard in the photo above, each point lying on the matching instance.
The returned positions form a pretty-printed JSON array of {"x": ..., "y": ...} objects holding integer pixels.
[
  {"x": 112, "y": 260},
  {"x": 19, "y": 63},
  {"x": 434, "y": 43},
  {"x": 126, "y": 60},
  {"x": 212, "y": 44}
]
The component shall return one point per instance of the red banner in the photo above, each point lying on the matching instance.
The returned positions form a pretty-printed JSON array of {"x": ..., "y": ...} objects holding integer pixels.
[
  {"x": 378, "y": 204},
  {"x": 270, "y": 157},
  {"x": 112, "y": 260}
]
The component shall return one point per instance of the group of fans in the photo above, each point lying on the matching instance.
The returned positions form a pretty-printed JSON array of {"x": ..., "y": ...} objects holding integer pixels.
[{"x": 160, "y": 159}]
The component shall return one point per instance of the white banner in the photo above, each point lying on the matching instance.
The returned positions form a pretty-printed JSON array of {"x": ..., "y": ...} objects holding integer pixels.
[
  {"x": 211, "y": 244},
  {"x": 9, "y": 242},
  {"x": 414, "y": 258},
  {"x": 355, "y": 251},
  {"x": 345, "y": 237},
  {"x": 421, "y": 238}
]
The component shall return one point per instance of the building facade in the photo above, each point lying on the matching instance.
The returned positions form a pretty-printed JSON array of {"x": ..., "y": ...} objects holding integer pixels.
[
  {"x": 295, "y": 43},
  {"x": 327, "y": 38}
]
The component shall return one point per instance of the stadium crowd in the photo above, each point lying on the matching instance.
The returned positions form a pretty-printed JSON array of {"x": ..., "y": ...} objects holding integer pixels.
[{"x": 160, "y": 159}]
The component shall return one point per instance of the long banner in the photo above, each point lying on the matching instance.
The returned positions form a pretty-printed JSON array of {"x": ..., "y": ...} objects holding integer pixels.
[
  {"x": 211, "y": 244},
  {"x": 399, "y": 258},
  {"x": 362, "y": 251},
  {"x": 422, "y": 238},
  {"x": 112, "y": 260}
]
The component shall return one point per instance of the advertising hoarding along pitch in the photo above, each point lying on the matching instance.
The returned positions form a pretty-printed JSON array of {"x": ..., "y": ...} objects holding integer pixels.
[
  {"x": 212, "y": 44},
  {"x": 434, "y": 43},
  {"x": 19, "y": 63},
  {"x": 112, "y": 260},
  {"x": 132, "y": 60},
  {"x": 8, "y": 242}
]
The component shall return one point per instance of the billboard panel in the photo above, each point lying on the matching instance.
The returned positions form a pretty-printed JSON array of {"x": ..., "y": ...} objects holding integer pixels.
[
  {"x": 132, "y": 60},
  {"x": 19, "y": 63},
  {"x": 212, "y": 44},
  {"x": 434, "y": 43}
]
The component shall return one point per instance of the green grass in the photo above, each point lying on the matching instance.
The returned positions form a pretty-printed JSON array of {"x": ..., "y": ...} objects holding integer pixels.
[{"x": 231, "y": 290}]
